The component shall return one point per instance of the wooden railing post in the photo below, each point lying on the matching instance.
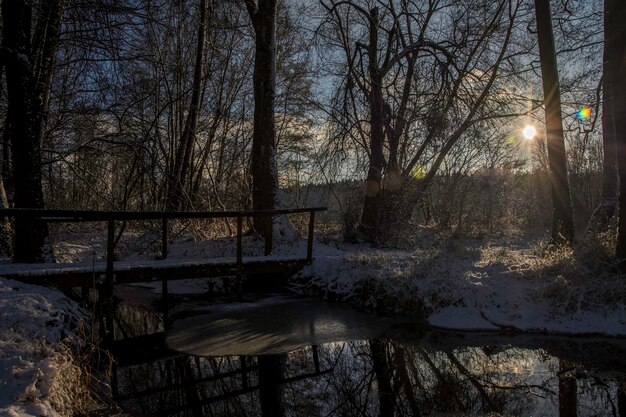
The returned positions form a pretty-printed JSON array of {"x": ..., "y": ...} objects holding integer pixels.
[
  {"x": 164, "y": 289},
  {"x": 108, "y": 284},
  {"x": 239, "y": 266},
  {"x": 164, "y": 233},
  {"x": 309, "y": 246},
  {"x": 269, "y": 236}
]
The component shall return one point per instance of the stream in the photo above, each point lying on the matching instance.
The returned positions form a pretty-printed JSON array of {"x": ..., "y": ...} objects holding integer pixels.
[{"x": 294, "y": 356}]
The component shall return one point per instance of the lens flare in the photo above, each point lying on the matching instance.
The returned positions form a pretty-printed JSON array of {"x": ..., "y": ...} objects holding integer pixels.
[
  {"x": 419, "y": 172},
  {"x": 583, "y": 113},
  {"x": 529, "y": 132}
]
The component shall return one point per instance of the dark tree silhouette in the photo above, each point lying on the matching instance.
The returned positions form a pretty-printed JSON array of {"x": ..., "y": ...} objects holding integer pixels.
[
  {"x": 271, "y": 370},
  {"x": 394, "y": 49},
  {"x": 29, "y": 67},
  {"x": 608, "y": 204},
  {"x": 183, "y": 159},
  {"x": 568, "y": 400},
  {"x": 616, "y": 13},
  {"x": 562, "y": 217},
  {"x": 382, "y": 371},
  {"x": 264, "y": 172}
]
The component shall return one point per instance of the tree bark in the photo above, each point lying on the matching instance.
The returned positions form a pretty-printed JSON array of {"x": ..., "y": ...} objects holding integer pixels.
[
  {"x": 7, "y": 158},
  {"x": 6, "y": 234},
  {"x": 263, "y": 165},
  {"x": 616, "y": 10},
  {"x": 608, "y": 204},
  {"x": 609, "y": 163},
  {"x": 562, "y": 216},
  {"x": 26, "y": 97},
  {"x": 370, "y": 217}
]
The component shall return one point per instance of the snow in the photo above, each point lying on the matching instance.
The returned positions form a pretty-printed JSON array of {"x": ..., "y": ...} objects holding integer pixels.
[
  {"x": 482, "y": 285},
  {"x": 469, "y": 285},
  {"x": 37, "y": 373},
  {"x": 455, "y": 284}
]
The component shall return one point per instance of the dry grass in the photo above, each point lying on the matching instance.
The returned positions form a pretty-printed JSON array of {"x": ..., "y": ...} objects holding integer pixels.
[{"x": 577, "y": 277}]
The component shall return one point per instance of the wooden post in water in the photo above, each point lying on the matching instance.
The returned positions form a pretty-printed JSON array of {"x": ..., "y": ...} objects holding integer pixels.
[
  {"x": 309, "y": 246},
  {"x": 164, "y": 289},
  {"x": 316, "y": 359},
  {"x": 244, "y": 371},
  {"x": 107, "y": 302}
]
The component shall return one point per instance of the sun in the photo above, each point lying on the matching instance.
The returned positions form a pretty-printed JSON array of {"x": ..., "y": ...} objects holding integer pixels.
[{"x": 529, "y": 132}]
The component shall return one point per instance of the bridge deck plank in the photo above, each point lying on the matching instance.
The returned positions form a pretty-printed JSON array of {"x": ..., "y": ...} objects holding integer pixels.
[{"x": 83, "y": 275}]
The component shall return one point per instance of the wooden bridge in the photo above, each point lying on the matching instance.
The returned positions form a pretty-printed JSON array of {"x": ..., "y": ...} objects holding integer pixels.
[
  {"x": 103, "y": 276},
  {"x": 120, "y": 272},
  {"x": 112, "y": 272}
]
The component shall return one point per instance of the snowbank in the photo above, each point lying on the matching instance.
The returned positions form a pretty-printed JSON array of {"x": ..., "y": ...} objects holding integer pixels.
[
  {"x": 37, "y": 375},
  {"x": 473, "y": 285}
]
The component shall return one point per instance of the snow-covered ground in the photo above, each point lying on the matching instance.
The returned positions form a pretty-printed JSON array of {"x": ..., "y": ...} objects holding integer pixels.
[
  {"x": 506, "y": 284},
  {"x": 38, "y": 373},
  {"x": 509, "y": 283},
  {"x": 476, "y": 285}
]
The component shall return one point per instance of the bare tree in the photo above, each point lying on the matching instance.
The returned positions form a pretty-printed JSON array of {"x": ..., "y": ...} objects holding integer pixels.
[
  {"x": 616, "y": 13},
  {"x": 562, "y": 218},
  {"x": 608, "y": 204},
  {"x": 29, "y": 67},
  {"x": 422, "y": 95},
  {"x": 183, "y": 155},
  {"x": 265, "y": 192}
]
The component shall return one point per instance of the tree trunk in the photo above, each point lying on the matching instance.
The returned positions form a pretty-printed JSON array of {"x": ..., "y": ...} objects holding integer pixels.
[
  {"x": 562, "y": 217},
  {"x": 396, "y": 208},
  {"x": 7, "y": 159},
  {"x": 6, "y": 234},
  {"x": 616, "y": 10},
  {"x": 27, "y": 119},
  {"x": 621, "y": 398},
  {"x": 178, "y": 178},
  {"x": 263, "y": 165},
  {"x": 370, "y": 217},
  {"x": 271, "y": 369},
  {"x": 6, "y": 229},
  {"x": 608, "y": 204},
  {"x": 45, "y": 43},
  {"x": 568, "y": 403},
  {"x": 383, "y": 378},
  {"x": 401, "y": 367}
]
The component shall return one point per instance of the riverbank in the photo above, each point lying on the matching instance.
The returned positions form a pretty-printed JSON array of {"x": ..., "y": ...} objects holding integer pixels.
[
  {"x": 511, "y": 284},
  {"x": 40, "y": 332}
]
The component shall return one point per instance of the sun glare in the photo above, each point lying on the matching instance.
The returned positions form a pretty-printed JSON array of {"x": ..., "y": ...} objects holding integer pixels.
[
  {"x": 583, "y": 113},
  {"x": 529, "y": 132}
]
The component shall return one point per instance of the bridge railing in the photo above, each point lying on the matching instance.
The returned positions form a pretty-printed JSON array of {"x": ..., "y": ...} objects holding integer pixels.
[
  {"x": 111, "y": 217},
  {"x": 74, "y": 216}
]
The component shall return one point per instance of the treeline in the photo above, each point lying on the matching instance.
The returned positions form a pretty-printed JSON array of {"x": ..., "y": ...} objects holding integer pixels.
[{"x": 149, "y": 105}]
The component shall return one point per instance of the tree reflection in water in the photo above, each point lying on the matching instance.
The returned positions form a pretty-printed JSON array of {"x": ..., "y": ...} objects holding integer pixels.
[{"x": 374, "y": 378}]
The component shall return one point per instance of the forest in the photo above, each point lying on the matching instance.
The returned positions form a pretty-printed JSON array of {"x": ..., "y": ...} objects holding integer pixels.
[
  {"x": 143, "y": 106},
  {"x": 463, "y": 161}
]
